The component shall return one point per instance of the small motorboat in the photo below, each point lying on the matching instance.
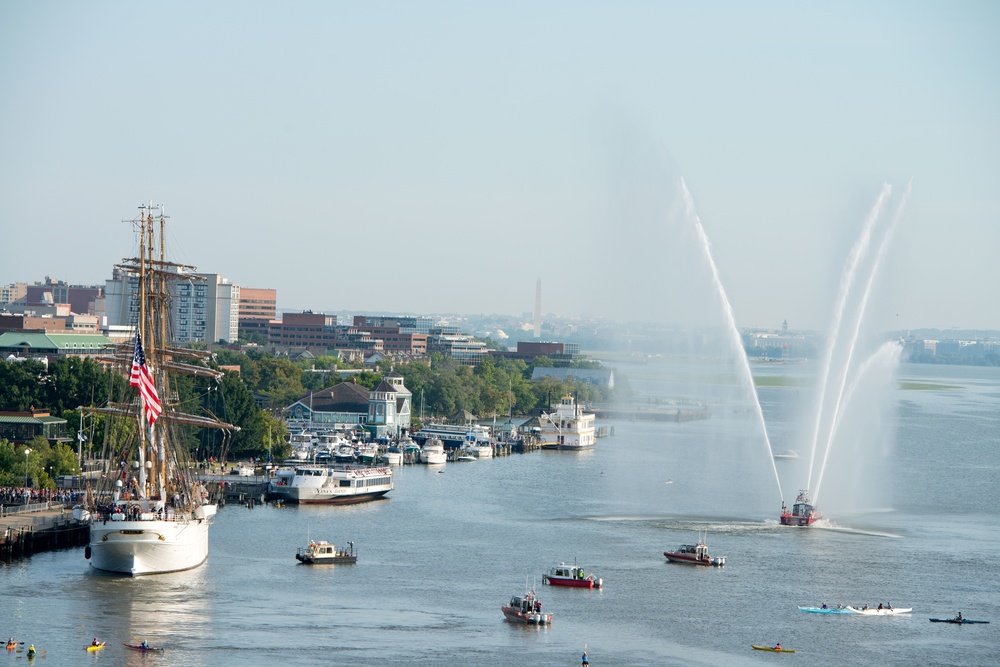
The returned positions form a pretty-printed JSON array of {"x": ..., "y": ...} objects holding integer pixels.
[
  {"x": 958, "y": 620},
  {"x": 694, "y": 554},
  {"x": 465, "y": 455},
  {"x": 803, "y": 513},
  {"x": 140, "y": 647},
  {"x": 572, "y": 576},
  {"x": 775, "y": 649},
  {"x": 324, "y": 553},
  {"x": 839, "y": 609},
  {"x": 526, "y": 609},
  {"x": 883, "y": 611}
]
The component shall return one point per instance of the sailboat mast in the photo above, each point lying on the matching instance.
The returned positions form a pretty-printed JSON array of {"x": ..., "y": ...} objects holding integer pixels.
[
  {"x": 161, "y": 445},
  {"x": 140, "y": 331}
]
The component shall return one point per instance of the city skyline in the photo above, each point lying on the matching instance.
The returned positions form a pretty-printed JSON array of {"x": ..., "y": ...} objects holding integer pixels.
[{"x": 436, "y": 157}]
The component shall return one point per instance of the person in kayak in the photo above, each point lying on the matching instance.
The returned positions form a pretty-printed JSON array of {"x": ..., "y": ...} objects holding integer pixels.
[
  {"x": 143, "y": 645},
  {"x": 31, "y": 651},
  {"x": 959, "y": 617},
  {"x": 824, "y": 606},
  {"x": 95, "y": 642},
  {"x": 584, "y": 662},
  {"x": 777, "y": 647}
]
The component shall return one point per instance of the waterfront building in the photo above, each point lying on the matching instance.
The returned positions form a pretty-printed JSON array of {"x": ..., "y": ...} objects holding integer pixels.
[
  {"x": 21, "y": 427},
  {"x": 383, "y": 411},
  {"x": 51, "y": 346},
  {"x": 389, "y": 407}
]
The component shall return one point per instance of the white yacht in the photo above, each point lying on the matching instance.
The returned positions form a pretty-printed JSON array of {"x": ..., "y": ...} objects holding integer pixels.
[{"x": 432, "y": 452}]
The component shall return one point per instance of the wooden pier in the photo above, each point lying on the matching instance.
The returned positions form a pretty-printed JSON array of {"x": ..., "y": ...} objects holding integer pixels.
[{"x": 26, "y": 530}]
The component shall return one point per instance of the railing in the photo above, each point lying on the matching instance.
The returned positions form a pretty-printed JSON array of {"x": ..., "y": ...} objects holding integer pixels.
[{"x": 10, "y": 510}]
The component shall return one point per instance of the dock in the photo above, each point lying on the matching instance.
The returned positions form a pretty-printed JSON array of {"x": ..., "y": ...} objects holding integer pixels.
[{"x": 37, "y": 527}]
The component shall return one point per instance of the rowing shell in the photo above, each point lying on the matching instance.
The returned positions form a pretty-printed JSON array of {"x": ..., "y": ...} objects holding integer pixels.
[{"x": 955, "y": 620}]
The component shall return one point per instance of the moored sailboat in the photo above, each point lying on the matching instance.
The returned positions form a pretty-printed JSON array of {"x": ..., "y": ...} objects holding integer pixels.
[{"x": 147, "y": 514}]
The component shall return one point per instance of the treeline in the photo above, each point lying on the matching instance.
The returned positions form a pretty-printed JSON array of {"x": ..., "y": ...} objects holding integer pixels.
[{"x": 440, "y": 387}]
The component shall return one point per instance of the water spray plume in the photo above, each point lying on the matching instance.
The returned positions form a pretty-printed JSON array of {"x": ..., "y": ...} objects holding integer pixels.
[
  {"x": 857, "y": 253},
  {"x": 734, "y": 332},
  {"x": 838, "y": 404}
]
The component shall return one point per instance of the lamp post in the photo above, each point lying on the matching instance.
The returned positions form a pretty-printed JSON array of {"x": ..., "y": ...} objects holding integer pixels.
[{"x": 26, "y": 452}]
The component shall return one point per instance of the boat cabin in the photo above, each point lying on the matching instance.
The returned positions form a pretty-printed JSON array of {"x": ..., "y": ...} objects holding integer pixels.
[{"x": 696, "y": 550}]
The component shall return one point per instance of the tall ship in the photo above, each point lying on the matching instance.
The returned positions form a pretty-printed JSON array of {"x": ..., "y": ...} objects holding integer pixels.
[
  {"x": 803, "y": 512},
  {"x": 331, "y": 485},
  {"x": 569, "y": 427},
  {"x": 147, "y": 514}
]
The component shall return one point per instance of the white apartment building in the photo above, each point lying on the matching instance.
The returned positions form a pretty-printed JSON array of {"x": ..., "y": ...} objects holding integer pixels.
[{"x": 204, "y": 307}]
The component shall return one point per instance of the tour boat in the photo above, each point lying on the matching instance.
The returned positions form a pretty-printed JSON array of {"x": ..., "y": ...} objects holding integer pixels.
[
  {"x": 526, "y": 609},
  {"x": 569, "y": 427},
  {"x": 571, "y": 575},
  {"x": 802, "y": 513},
  {"x": 452, "y": 436},
  {"x": 324, "y": 553},
  {"x": 147, "y": 513},
  {"x": 337, "y": 485},
  {"x": 694, "y": 554}
]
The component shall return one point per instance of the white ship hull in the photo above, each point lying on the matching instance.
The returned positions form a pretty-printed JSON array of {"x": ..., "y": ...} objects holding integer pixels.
[{"x": 148, "y": 547}]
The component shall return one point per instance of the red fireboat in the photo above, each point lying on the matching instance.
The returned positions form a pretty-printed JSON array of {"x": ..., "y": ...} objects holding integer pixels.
[{"x": 802, "y": 513}]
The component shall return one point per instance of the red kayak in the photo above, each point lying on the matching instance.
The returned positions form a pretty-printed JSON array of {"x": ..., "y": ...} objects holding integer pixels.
[{"x": 140, "y": 647}]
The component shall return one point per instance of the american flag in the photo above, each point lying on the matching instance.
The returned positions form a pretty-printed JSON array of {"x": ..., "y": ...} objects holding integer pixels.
[{"x": 143, "y": 379}]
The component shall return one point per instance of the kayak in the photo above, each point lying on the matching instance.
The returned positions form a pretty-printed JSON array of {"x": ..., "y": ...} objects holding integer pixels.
[
  {"x": 955, "y": 620},
  {"x": 885, "y": 611},
  {"x": 829, "y": 610},
  {"x": 96, "y": 648},
  {"x": 140, "y": 647},
  {"x": 771, "y": 648}
]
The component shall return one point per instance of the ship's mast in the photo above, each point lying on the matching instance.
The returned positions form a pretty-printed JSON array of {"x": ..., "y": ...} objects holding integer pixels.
[{"x": 140, "y": 331}]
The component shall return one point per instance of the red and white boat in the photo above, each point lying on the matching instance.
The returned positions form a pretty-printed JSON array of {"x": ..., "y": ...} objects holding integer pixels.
[
  {"x": 526, "y": 609},
  {"x": 571, "y": 575},
  {"x": 803, "y": 513},
  {"x": 694, "y": 554}
]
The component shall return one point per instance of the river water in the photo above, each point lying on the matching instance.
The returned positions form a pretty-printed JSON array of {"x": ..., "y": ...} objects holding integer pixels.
[{"x": 439, "y": 556}]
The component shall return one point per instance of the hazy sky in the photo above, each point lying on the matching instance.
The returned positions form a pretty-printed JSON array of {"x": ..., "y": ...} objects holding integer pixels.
[{"x": 440, "y": 156}]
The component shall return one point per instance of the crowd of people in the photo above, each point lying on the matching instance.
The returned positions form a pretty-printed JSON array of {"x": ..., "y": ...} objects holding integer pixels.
[{"x": 23, "y": 495}]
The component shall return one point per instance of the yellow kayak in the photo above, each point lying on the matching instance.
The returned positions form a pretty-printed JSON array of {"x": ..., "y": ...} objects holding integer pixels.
[
  {"x": 771, "y": 648},
  {"x": 96, "y": 648}
]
